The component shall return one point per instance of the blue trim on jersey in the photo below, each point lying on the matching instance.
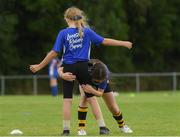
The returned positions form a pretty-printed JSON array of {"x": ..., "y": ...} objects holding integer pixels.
[{"x": 76, "y": 48}]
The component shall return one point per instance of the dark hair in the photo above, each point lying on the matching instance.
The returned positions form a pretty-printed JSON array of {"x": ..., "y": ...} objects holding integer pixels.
[{"x": 99, "y": 71}]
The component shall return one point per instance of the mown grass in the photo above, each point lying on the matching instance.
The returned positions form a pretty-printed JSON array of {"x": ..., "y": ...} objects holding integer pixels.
[{"x": 148, "y": 114}]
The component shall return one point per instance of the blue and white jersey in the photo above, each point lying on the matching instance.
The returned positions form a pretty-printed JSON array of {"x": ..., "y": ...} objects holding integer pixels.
[
  {"x": 53, "y": 67},
  {"x": 75, "y": 48}
]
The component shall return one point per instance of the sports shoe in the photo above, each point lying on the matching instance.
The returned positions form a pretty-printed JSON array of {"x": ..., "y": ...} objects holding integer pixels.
[
  {"x": 81, "y": 132},
  {"x": 104, "y": 131},
  {"x": 65, "y": 133},
  {"x": 126, "y": 129}
]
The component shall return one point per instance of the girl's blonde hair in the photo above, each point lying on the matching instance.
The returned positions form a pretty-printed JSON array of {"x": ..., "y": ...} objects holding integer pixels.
[{"x": 78, "y": 16}]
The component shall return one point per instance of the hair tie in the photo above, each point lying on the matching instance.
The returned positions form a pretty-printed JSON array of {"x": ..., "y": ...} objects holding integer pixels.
[{"x": 75, "y": 18}]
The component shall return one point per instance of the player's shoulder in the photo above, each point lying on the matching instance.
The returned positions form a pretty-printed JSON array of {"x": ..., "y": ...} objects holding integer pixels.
[
  {"x": 87, "y": 29},
  {"x": 63, "y": 30}
]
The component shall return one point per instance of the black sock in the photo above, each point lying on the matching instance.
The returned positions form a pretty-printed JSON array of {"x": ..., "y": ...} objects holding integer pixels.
[
  {"x": 119, "y": 118},
  {"x": 82, "y": 112}
]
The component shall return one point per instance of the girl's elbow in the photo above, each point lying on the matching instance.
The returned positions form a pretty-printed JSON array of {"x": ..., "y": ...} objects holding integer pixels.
[
  {"x": 54, "y": 53},
  {"x": 105, "y": 41}
]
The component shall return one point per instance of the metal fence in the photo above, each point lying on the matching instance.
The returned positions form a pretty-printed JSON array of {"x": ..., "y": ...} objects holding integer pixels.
[
  {"x": 34, "y": 79},
  {"x": 138, "y": 76},
  {"x": 134, "y": 76}
]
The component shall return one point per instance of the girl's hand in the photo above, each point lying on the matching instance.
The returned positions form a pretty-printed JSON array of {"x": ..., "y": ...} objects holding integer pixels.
[
  {"x": 87, "y": 88},
  {"x": 68, "y": 76},
  {"x": 128, "y": 44},
  {"x": 34, "y": 68}
]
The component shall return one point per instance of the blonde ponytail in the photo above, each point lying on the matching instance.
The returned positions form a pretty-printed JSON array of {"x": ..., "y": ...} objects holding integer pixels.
[
  {"x": 78, "y": 17},
  {"x": 78, "y": 24}
]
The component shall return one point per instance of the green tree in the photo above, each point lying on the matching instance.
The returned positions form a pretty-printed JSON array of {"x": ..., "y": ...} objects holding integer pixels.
[
  {"x": 29, "y": 28},
  {"x": 9, "y": 58},
  {"x": 151, "y": 29}
]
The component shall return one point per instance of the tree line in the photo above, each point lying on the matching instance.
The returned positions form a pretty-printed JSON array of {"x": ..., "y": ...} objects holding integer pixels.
[{"x": 28, "y": 30}]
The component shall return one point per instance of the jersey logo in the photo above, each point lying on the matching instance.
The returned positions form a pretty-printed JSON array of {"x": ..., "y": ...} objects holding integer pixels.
[{"x": 75, "y": 42}]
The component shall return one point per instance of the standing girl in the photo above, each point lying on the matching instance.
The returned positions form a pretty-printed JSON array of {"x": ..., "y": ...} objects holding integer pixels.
[
  {"x": 75, "y": 41},
  {"x": 53, "y": 75}
]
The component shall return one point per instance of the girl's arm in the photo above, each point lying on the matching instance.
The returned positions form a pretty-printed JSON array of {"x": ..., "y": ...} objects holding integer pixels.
[
  {"x": 89, "y": 89},
  {"x": 52, "y": 54},
  {"x": 113, "y": 42}
]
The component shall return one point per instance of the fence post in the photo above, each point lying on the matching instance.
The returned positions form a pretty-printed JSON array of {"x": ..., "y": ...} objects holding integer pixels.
[
  {"x": 35, "y": 90},
  {"x": 137, "y": 83},
  {"x": 174, "y": 81},
  {"x": 2, "y": 86}
]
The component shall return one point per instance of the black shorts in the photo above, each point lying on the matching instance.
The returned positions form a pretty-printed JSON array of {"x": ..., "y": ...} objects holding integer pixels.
[{"x": 80, "y": 69}]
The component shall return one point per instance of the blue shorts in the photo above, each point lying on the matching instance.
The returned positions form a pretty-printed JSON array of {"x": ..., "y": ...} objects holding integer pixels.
[{"x": 106, "y": 90}]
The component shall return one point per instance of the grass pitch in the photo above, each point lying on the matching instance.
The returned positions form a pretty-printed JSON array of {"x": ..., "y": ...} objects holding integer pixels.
[{"x": 148, "y": 114}]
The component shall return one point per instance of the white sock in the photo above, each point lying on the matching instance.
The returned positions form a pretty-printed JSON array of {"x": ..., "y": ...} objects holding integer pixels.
[
  {"x": 101, "y": 122},
  {"x": 66, "y": 124}
]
